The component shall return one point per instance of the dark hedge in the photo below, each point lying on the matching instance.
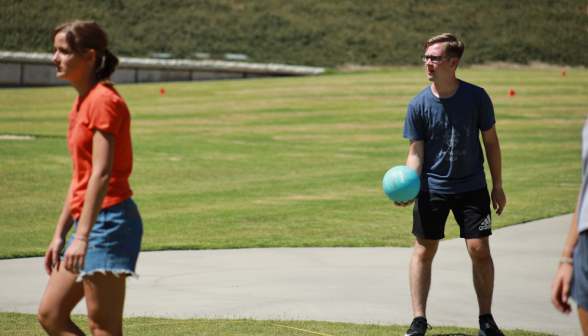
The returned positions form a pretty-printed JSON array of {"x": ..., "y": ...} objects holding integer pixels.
[{"x": 317, "y": 32}]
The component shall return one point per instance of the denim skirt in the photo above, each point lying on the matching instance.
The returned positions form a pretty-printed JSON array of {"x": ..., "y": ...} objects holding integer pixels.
[
  {"x": 115, "y": 241},
  {"x": 579, "y": 285}
]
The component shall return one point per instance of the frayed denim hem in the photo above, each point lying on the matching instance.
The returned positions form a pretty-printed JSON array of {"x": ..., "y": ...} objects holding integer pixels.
[{"x": 116, "y": 272}]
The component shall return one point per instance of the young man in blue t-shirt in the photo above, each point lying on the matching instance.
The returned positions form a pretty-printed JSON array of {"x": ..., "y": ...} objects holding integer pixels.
[{"x": 443, "y": 124}]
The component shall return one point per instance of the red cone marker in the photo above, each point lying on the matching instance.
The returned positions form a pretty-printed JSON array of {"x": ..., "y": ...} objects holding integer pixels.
[
  {"x": 162, "y": 91},
  {"x": 511, "y": 93},
  {"x": 563, "y": 72}
]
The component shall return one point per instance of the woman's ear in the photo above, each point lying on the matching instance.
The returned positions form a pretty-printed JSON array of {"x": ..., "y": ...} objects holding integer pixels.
[{"x": 91, "y": 56}]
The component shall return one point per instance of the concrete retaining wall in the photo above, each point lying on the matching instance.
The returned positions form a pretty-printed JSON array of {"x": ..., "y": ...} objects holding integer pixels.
[{"x": 36, "y": 69}]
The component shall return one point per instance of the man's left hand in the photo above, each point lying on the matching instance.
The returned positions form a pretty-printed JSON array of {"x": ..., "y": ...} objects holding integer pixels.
[{"x": 498, "y": 200}]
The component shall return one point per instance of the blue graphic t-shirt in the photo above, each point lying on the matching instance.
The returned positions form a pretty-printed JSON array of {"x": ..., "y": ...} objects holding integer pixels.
[{"x": 454, "y": 161}]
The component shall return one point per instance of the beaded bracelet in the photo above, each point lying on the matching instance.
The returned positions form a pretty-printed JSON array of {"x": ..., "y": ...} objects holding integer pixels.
[
  {"x": 566, "y": 261},
  {"x": 82, "y": 238}
]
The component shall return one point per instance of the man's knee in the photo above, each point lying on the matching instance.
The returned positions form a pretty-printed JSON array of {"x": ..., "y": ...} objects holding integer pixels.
[
  {"x": 425, "y": 249},
  {"x": 479, "y": 250}
]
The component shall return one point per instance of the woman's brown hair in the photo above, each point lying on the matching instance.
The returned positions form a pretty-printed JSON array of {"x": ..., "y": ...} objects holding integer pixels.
[{"x": 85, "y": 35}]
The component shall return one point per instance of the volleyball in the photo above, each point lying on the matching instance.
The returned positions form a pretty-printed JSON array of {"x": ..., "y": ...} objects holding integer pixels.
[{"x": 401, "y": 184}]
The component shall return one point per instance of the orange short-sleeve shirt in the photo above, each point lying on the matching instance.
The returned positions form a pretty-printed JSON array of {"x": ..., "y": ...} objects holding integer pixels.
[{"x": 104, "y": 109}]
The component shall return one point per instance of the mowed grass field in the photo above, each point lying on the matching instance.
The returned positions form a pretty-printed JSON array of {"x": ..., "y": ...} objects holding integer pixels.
[
  {"x": 284, "y": 161},
  {"x": 27, "y": 324}
]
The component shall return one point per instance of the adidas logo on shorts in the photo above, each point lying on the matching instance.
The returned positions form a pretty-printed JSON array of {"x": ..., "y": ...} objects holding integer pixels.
[{"x": 486, "y": 224}]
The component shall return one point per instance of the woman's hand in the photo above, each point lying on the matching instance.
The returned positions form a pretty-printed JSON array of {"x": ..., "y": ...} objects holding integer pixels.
[
  {"x": 560, "y": 289},
  {"x": 52, "y": 258},
  {"x": 75, "y": 255}
]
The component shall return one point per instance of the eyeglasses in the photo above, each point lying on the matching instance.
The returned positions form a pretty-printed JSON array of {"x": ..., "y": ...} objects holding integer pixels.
[{"x": 434, "y": 59}]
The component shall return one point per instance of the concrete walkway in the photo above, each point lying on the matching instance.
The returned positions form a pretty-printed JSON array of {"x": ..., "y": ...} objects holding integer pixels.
[{"x": 361, "y": 285}]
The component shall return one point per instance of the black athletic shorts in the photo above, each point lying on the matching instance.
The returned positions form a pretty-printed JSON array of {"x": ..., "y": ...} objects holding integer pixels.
[{"x": 471, "y": 211}]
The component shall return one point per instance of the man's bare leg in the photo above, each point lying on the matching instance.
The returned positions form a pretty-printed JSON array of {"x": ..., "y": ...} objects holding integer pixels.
[
  {"x": 420, "y": 273},
  {"x": 483, "y": 272}
]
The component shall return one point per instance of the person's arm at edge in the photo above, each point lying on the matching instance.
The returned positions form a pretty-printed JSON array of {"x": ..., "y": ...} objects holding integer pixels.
[
  {"x": 102, "y": 162},
  {"x": 492, "y": 147},
  {"x": 560, "y": 288},
  {"x": 64, "y": 224},
  {"x": 415, "y": 159}
]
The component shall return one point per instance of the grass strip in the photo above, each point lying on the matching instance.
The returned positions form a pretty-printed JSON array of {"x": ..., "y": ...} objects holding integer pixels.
[{"x": 26, "y": 324}]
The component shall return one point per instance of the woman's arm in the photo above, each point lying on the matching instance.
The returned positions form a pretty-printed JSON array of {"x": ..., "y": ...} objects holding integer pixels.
[
  {"x": 560, "y": 289},
  {"x": 64, "y": 223},
  {"x": 102, "y": 161}
]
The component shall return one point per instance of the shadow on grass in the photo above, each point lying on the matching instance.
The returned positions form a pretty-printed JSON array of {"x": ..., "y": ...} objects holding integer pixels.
[{"x": 451, "y": 335}]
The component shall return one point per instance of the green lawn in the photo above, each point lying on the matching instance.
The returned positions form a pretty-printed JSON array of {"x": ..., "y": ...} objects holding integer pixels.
[
  {"x": 12, "y": 323},
  {"x": 284, "y": 161}
]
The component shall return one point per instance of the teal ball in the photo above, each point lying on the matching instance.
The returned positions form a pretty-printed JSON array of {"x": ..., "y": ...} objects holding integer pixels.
[{"x": 401, "y": 184}]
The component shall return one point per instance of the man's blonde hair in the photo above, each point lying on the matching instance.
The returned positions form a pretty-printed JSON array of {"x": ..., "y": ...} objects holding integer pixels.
[{"x": 452, "y": 45}]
